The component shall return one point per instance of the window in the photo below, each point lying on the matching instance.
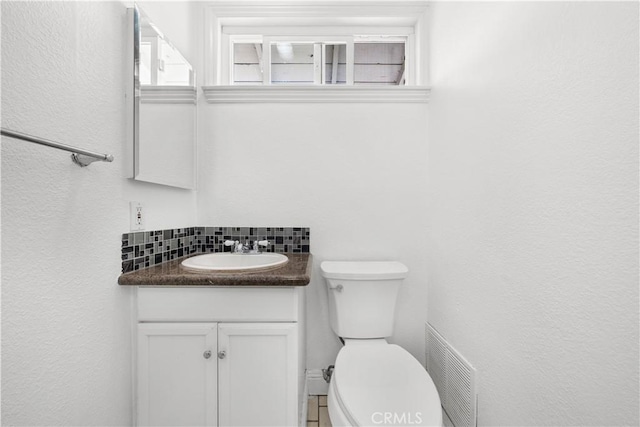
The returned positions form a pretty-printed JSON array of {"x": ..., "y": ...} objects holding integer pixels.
[
  {"x": 354, "y": 61},
  {"x": 308, "y": 47}
]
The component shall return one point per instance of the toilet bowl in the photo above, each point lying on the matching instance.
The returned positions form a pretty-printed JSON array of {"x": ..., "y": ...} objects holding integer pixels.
[{"x": 374, "y": 383}]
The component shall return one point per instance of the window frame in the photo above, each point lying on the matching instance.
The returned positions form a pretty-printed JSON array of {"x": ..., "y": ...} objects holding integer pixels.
[
  {"x": 228, "y": 22},
  {"x": 404, "y": 36}
]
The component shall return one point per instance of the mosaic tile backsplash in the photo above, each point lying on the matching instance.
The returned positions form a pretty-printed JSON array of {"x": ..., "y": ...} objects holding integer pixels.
[{"x": 144, "y": 249}]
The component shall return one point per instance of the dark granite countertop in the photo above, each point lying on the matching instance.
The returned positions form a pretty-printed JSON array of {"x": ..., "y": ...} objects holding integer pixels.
[{"x": 296, "y": 272}]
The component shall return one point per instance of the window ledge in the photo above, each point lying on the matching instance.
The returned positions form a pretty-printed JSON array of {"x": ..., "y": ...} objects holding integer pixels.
[
  {"x": 168, "y": 94},
  {"x": 315, "y": 94}
]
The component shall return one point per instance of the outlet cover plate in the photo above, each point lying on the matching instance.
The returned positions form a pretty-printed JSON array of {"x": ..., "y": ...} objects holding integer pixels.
[{"x": 137, "y": 216}]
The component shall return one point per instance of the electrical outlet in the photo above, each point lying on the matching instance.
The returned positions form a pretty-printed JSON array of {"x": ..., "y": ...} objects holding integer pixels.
[{"x": 137, "y": 216}]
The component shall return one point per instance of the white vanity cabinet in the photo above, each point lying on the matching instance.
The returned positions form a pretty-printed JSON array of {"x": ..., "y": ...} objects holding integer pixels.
[
  {"x": 214, "y": 356},
  {"x": 257, "y": 378},
  {"x": 177, "y": 374}
]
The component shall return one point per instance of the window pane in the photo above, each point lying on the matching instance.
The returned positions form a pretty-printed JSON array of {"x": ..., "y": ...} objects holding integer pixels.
[
  {"x": 335, "y": 64},
  {"x": 292, "y": 63},
  {"x": 379, "y": 63},
  {"x": 247, "y": 67}
]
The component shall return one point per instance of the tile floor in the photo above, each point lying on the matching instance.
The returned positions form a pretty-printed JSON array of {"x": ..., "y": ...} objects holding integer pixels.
[{"x": 318, "y": 415}]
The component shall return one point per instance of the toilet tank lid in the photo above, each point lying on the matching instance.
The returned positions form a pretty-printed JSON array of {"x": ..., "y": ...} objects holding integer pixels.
[{"x": 364, "y": 270}]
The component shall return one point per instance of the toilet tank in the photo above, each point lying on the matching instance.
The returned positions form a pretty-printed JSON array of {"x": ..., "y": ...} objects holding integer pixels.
[{"x": 362, "y": 296}]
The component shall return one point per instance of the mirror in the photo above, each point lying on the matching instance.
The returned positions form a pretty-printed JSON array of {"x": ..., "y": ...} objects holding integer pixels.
[{"x": 163, "y": 102}]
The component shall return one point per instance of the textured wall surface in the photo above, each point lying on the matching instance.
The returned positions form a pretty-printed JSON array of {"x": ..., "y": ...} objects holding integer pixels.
[
  {"x": 353, "y": 173},
  {"x": 533, "y": 206},
  {"x": 66, "y": 329}
]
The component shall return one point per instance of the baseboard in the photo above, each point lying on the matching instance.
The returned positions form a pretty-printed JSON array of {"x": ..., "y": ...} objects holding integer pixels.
[{"x": 315, "y": 384}]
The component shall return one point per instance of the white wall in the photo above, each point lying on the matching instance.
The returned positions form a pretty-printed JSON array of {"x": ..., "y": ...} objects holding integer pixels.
[
  {"x": 65, "y": 322},
  {"x": 354, "y": 173},
  {"x": 533, "y": 206}
]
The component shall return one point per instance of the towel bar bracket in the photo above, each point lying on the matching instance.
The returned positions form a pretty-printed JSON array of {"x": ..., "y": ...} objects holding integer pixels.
[{"x": 82, "y": 160}]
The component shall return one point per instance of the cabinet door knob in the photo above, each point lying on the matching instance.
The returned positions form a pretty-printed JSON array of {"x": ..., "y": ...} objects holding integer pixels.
[
  {"x": 207, "y": 354},
  {"x": 222, "y": 354}
]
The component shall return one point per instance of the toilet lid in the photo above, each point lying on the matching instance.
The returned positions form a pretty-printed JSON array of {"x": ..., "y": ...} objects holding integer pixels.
[{"x": 385, "y": 385}]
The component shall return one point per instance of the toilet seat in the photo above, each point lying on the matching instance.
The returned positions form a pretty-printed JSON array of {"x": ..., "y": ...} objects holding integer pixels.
[{"x": 383, "y": 385}]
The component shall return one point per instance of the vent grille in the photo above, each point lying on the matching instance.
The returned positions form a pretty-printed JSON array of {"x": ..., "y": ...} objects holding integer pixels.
[{"x": 454, "y": 378}]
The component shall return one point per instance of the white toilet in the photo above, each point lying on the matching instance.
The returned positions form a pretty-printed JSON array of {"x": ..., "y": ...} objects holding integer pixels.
[{"x": 374, "y": 383}]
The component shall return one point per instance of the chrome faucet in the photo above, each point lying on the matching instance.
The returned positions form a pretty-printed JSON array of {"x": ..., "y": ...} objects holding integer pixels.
[
  {"x": 258, "y": 243},
  {"x": 235, "y": 245}
]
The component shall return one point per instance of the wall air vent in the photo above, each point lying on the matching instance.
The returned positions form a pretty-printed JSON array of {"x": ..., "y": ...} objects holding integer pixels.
[{"x": 454, "y": 378}]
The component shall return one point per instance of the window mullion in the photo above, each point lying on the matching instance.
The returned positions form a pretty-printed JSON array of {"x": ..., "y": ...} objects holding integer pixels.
[
  {"x": 350, "y": 62},
  {"x": 318, "y": 61},
  {"x": 266, "y": 60}
]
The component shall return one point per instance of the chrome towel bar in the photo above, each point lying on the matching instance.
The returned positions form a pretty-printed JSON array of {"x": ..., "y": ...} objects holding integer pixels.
[{"x": 80, "y": 157}]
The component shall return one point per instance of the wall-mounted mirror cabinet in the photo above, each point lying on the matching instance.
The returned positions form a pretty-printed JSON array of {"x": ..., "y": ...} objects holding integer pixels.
[{"x": 162, "y": 103}]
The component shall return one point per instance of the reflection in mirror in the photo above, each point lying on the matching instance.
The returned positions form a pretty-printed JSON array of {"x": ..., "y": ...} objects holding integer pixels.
[
  {"x": 161, "y": 64},
  {"x": 164, "y": 107}
]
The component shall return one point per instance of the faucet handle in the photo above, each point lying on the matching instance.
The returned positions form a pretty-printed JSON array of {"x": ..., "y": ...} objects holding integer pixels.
[{"x": 237, "y": 246}]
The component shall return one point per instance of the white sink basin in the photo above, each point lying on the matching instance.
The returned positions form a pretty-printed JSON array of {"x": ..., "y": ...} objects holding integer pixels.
[{"x": 234, "y": 262}]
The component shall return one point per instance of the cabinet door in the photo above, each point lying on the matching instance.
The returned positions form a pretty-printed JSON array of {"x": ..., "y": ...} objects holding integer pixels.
[
  {"x": 177, "y": 374},
  {"x": 257, "y": 374}
]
